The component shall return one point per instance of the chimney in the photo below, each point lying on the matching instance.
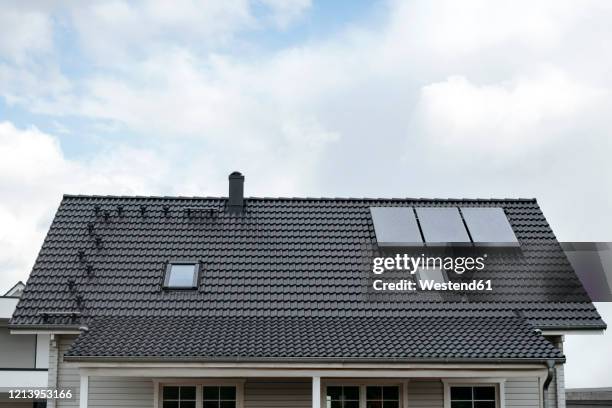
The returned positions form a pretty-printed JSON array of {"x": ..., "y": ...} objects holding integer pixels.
[{"x": 236, "y": 193}]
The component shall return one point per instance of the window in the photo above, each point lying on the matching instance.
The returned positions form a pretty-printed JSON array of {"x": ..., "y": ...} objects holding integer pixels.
[
  {"x": 179, "y": 397},
  {"x": 342, "y": 397},
  {"x": 382, "y": 397},
  {"x": 432, "y": 274},
  {"x": 219, "y": 397},
  {"x": 473, "y": 397},
  {"x": 181, "y": 275}
]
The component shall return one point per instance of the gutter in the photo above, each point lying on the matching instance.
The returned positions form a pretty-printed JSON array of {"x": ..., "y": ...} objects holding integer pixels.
[{"x": 549, "y": 377}]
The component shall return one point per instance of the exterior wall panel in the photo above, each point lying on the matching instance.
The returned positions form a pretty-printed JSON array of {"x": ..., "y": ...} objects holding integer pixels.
[
  {"x": 68, "y": 377},
  {"x": 425, "y": 394},
  {"x": 16, "y": 351},
  {"x": 522, "y": 393},
  {"x": 277, "y": 394},
  {"x": 106, "y": 392}
]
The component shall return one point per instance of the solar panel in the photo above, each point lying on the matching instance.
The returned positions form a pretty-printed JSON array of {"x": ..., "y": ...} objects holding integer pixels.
[
  {"x": 442, "y": 226},
  {"x": 489, "y": 227},
  {"x": 396, "y": 227}
]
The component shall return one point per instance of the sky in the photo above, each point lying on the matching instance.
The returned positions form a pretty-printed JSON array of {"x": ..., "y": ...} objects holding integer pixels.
[{"x": 358, "y": 98}]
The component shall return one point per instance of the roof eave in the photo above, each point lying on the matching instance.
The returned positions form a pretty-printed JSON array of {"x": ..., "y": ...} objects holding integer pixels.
[{"x": 391, "y": 360}]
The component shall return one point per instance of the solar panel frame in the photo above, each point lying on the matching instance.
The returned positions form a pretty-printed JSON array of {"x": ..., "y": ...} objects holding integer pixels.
[
  {"x": 442, "y": 226},
  {"x": 396, "y": 227},
  {"x": 489, "y": 227}
]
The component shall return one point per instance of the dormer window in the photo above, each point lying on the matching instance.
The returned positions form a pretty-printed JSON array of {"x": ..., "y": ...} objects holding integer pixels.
[{"x": 182, "y": 275}]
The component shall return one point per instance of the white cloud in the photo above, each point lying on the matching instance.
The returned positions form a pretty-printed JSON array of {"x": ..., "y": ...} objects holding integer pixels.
[
  {"x": 284, "y": 12},
  {"x": 523, "y": 112},
  {"x": 24, "y": 31},
  {"x": 125, "y": 31}
]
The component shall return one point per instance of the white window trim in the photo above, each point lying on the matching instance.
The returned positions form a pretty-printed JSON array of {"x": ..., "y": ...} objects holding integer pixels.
[
  {"x": 500, "y": 390},
  {"x": 362, "y": 384},
  {"x": 199, "y": 384}
]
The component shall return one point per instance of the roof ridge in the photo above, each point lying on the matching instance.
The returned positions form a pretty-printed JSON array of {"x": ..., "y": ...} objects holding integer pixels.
[{"x": 407, "y": 199}]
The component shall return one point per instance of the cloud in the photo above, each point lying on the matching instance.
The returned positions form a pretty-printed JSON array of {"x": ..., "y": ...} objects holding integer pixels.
[
  {"x": 284, "y": 12},
  {"x": 523, "y": 112},
  {"x": 25, "y": 31},
  {"x": 126, "y": 31}
]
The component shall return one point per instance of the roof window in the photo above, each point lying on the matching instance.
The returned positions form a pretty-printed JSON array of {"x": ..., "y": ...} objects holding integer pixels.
[{"x": 182, "y": 275}]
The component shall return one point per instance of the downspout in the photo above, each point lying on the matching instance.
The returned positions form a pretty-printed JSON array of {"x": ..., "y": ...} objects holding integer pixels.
[{"x": 549, "y": 377}]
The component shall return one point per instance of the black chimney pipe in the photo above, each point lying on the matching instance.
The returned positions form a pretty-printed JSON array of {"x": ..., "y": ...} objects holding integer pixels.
[{"x": 236, "y": 193}]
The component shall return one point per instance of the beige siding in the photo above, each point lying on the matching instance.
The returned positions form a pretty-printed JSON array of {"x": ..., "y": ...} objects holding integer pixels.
[
  {"x": 425, "y": 394},
  {"x": 67, "y": 375},
  {"x": 277, "y": 394},
  {"x": 120, "y": 392},
  {"x": 560, "y": 375},
  {"x": 522, "y": 392},
  {"x": 6, "y": 402},
  {"x": 15, "y": 404}
]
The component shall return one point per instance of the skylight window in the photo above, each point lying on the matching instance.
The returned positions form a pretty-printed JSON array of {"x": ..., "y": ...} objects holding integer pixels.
[
  {"x": 432, "y": 274},
  {"x": 181, "y": 275}
]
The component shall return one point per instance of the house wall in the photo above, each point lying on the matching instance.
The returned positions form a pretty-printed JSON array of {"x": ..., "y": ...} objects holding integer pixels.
[
  {"x": 277, "y": 394},
  {"x": 5, "y": 402},
  {"x": 519, "y": 393},
  {"x": 425, "y": 394},
  {"x": 556, "y": 389},
  {"x": 106, "y": 392},
  {"x": 16, "y": 351},
  {"x": 523, "y": 393},
  {"x": 62, "y": 375}
]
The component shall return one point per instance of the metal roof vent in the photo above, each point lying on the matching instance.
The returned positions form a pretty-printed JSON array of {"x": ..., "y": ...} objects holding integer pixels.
[{"x": 236, "y": 193}]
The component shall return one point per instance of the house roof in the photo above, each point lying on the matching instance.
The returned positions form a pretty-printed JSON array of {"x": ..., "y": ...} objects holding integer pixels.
[
  {"x": 15, "y": 290},
  {"x": 105, "y": 257},
  {"x": 400, "y": 339}
]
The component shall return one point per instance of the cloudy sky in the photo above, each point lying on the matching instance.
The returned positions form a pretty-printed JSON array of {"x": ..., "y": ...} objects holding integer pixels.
[{"x": 329, "y": 98}]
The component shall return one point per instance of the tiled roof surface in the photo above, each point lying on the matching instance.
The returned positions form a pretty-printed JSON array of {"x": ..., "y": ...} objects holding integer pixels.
[
  {"x": 106, "y": 256},
  {"x": 312, "y": 338}
]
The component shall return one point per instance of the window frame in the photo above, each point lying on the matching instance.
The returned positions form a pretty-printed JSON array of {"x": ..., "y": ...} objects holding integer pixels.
[
  {"x": 168, "y": 273},
  {"x": 161, "y": 398},
  {"x": 498, "y": 383},
  {"x": 442, "y": 272},
  {"x": 362, "y": 385},
  {"x": 159, "y": 385}
]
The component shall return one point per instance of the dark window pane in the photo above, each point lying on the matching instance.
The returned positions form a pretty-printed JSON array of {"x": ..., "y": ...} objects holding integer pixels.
[
  {"x": 391, "y": 393},
  {"x": 188, "y": 404},
  {"x": 211, "y": 404},
  {"x": 484, "y": 393},
  {"x": 171, "y": 404},
  {"x": 211, "y": 393},
  {"x": 336, "y": 404},
  {"x": 334, "y": 393},
  {"x": 373, "y": 404},
  {"x": 461, "y": 393},
  {"x": 227, "y": 393},
  {"x": 484, "y": 404},
  {"x": 373, "y": 393},
  {"x": 391, "y": 404},
  {"x": 228, "y": 404},
  {"x": 351, "y": 393},
  {"x": 351, "y": 404},
  {"x": 171, "y": 393},
  {"x": 188, "y": 393},
  {"x": 461, "y": 404}
]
